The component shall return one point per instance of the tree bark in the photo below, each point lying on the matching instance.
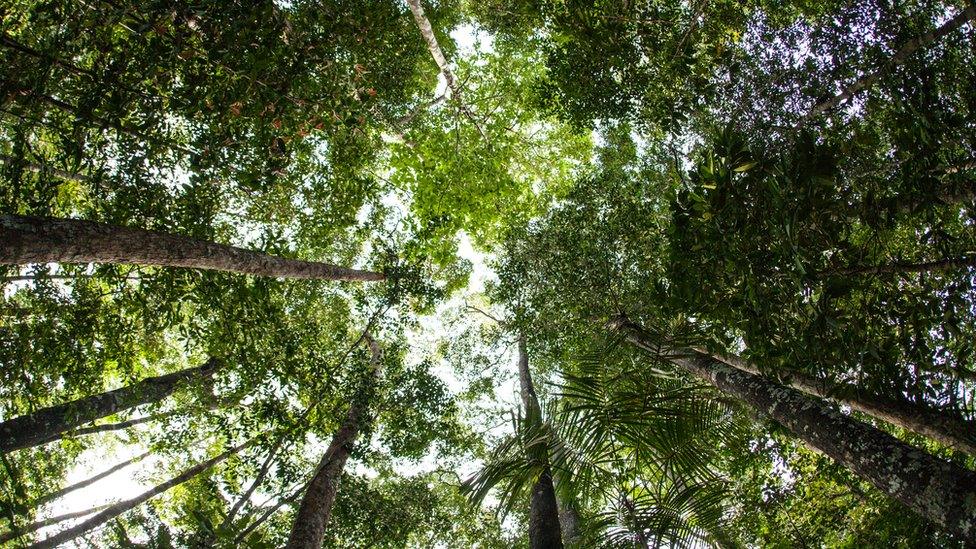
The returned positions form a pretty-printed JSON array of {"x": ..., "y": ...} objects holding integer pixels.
[
  {"x": 569, "y": 520},
  {"x": 938, "y": 490},
  {"x": 951, "y": 431},
  {"x": 48, "y": 424},
  {"x": 314, "y": 513},
  {"x": 544, "y": 526},
  {"x": 52, "y": 240},
  {"x": 899, "y": 57},
  {"x": 90, "y": 480},
  {"x": 118, "y": 508},
  {"x": 427, "y": 31}
]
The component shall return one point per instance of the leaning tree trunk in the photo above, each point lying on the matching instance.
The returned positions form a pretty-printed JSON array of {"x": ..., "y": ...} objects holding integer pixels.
[
  {"x": 952, "y": 431},
  {"x": 543, "y": 511},
  {"x": 51, "y": 240},
  {"x": 967, "y": 14},
  {"x": 940, "y": 491},
  {"x": 308, "y": 528},
  {"x": 121, "y": 507},
  {"x": 47, "y": 424}
]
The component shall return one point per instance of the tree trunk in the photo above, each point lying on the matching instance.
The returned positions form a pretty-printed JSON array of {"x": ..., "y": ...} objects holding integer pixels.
[
  {"x": 48, "y": 423},
  {"x": 899, "y": 267},
  {"x": 427, "y": 31},
  {"x": 90, "y": 480},
  {"x": 52, "y": 240},
  {"x": 952, "y": 431},
  {"x": 940, "y": 491},
  {"x": 569, "y": 520},
  {"x": 118, "y": 508},
  {"x": 314, "y": 513},
  {"x": 37, "y": 525},
  {"x": 899, "y": 57},
  {"x": 544, "y": 530}
]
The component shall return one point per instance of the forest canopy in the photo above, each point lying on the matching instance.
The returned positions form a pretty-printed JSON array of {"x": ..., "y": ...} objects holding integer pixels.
[{"x": 511, "y": 273}]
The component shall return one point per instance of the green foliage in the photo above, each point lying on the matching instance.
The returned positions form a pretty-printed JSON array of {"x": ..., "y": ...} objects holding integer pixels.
[{"x": 649, "y": 158}]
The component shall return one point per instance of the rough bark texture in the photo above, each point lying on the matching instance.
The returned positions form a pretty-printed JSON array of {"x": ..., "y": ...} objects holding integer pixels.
[
  {"x": 569, "y": 521},
  {"x": 544, "y": 526},
  {"x": 47, "y": 424},
  {"x": 952, "y": 431},
  {"x": 544, "y": 531},
  {"x": 899, "y": 57},
  {"x": 314, "y": 513},
  {"x": 51, "y": 240},
  {"x": 940, "y": 491},
  {"x": 117, "y": 509}
]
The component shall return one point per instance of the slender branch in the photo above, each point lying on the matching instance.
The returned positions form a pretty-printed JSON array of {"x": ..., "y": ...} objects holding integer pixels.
[
  {"x": 262, "y": 474},
  {"x": 41, "y": 169},
  {"x": 906, "y": 267},
  {"x": 267, "y": 514},
  {"x": 90, "y": 480},
  {"x": 117, "y": 509},
  {"x": 899, "y": 57},
  {"x": 37, "y": 525}
]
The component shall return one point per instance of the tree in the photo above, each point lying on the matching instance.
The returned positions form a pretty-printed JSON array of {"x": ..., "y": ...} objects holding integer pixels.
[
  {"x": 46, "y": 424},
  {"x": 35, "y": 240},
  {"x": 951, "y": 431},
  {"x": 316, "y": 506},
  {"x": 117, "y": 509},
  {"x": 544, "y": 525},
  {"x": 939, "y": 490}
]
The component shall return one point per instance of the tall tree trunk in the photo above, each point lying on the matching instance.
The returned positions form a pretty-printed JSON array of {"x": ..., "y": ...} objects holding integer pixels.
[
  {"x": 211, "y": 404},
  {"x": 952, "y": 431},
  {"x": 90, "y": 480},
  {"x": 427, "y": 31},
  {"x": 940, "y": 491},
  {"x": 544, "y": 530},
  {"x": 314, "y": 513},
  {"x": 52, "y": 240},
  {"x": 48, "y": 423},
  {"x": 118, "y": 508},
  {"x": 967, "y": 14}
]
